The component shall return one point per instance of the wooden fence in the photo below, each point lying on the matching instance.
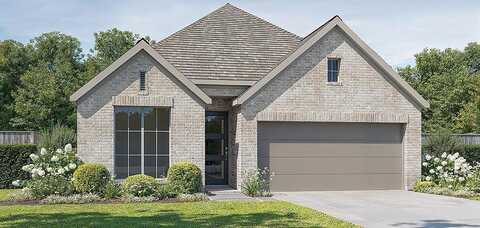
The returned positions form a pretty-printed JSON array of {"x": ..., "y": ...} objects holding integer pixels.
[
  {"x": 18, "y": 137},
  {"x": 465, "y": 138}
]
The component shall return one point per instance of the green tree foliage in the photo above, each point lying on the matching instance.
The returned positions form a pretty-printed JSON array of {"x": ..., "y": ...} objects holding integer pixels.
[
  {"x": 14, "y": 61},
  {"x": 449, "y": 80},
  {"x": 37, "y": 79},
  {"x": 42, "y": 98}
]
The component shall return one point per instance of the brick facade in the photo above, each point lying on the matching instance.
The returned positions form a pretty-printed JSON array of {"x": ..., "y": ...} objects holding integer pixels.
[
  {"x": 301, "y": 93},
  {"x": 95, "y": 113}
]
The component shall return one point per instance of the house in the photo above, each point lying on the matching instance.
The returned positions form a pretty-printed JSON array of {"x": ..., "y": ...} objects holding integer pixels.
[{"x": 232, "y": 92}]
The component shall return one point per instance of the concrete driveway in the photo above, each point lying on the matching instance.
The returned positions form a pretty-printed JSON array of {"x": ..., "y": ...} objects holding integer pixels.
[{"x": 390, "y": 208}]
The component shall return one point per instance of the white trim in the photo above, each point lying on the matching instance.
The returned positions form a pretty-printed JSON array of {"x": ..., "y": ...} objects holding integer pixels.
[{"x": 223, "y": 82}]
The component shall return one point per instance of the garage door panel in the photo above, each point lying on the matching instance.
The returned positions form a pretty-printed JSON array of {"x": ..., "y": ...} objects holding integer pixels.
[
  {"x": 320, "y": 149},
  {"x": 332, "y": 182},
  {"x": 335, "y": 165},
  {"x": 331, "y": 156}
]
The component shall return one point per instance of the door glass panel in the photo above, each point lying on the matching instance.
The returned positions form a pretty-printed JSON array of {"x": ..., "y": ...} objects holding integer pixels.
[{"x": 215, "y": 156}]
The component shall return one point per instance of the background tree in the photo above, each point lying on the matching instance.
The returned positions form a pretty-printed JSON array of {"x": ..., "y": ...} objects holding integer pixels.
[
  {"x": 14, "y": 61},
  {"x": 42, "y": 98},
  {"x": 449, "y": 80}
]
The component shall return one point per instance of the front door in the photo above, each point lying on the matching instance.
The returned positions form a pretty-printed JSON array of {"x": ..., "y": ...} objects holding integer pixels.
[{"x": 216, "y": 147}]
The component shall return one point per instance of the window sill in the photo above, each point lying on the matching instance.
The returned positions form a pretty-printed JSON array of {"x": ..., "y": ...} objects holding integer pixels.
[{"x": 335, "y": 83}]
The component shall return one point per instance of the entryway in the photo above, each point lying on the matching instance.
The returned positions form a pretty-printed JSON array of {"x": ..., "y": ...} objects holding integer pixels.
[{"x": 216, "y": 148}]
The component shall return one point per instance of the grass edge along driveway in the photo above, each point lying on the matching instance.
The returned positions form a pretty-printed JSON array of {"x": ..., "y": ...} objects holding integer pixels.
[{"x": 197, "y": 214}]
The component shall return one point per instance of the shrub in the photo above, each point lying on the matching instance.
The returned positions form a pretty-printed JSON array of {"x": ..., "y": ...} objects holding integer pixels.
[
  {"x": 423, "y": 186},
  {"x": 72, "y": 199},
  {"x": 50, "y": 185},
  {"x": 473, "y": 180},
  {"x": 256, "y": 182},
  {"x": 112, "y": 190},
  {"x": 140, "y": 185},
  {"x": 12, "y": 159},
  {"x": 91, "y": 178},
  {"x": 185, "y": 177},
  {"x": 137, "y": 199},
  {"x": 56, "y": 137},
  {"x": 441, "y": 142},
  {"x": 192, "y": 197},
  {"x": 165, "y": 191}
]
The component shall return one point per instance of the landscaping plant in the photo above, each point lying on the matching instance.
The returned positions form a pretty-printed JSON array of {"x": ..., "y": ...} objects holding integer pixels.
[
  {"x": 91, "y": 178},
  {"x": 448, "y": 170},
  {"x": 185, "y": 178},
  {"x": 140, "y": 185},
  {"x": 256, "y": 182}
]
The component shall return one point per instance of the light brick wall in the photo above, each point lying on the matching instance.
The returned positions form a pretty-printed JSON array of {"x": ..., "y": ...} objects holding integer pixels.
[
  {"x": 95, "y": 113},
  {"x": 302, "y": 88}
]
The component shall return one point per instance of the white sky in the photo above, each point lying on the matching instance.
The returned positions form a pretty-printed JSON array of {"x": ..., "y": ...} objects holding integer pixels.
[{"x": 395, "y": 29}]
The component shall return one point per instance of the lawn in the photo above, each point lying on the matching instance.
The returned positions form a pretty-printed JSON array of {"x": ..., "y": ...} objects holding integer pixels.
[{"x": 198, "y": 214}]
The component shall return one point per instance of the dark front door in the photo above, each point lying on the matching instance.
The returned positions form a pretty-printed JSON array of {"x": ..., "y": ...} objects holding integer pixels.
[{"x": 216, "y": 147}]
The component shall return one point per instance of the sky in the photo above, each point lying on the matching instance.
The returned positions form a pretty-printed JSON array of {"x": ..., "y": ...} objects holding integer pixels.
[{"x": 394, "y": 29}]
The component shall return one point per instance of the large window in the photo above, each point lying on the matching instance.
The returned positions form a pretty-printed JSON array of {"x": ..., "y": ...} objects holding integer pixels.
[{"x": 141, "y": 141}]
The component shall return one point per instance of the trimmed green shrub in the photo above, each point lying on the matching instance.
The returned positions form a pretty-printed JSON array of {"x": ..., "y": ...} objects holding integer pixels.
[
  {"x": 423, "y": 186},
  {"x": 12, "y": 159},
  {"x": 50, "y": 185},
  {"x": 91, "y": 178},
  {"x": 185, "y": 178},
  {"x": 140, "y": 185}
]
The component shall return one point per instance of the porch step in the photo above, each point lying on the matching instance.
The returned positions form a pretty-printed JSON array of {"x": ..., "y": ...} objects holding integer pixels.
[{"x": 225, "y": 193}]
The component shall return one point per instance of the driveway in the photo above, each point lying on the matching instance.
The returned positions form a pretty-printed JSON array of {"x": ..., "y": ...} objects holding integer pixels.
[{"x": 390, "y": 208}]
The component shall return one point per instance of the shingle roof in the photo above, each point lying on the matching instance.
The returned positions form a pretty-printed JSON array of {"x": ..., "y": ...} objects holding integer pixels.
[{"x": 228, "y": 44}]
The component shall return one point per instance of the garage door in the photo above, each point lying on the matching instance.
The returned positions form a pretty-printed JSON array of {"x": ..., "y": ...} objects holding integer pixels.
[{"x": 331, "y": 156}]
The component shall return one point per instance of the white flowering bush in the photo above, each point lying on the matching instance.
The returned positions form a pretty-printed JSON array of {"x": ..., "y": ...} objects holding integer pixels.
[
  {"x": 59, "y": 162},
  {"x": 51, "y": 171},
  {"x": 449, "y": 170}
]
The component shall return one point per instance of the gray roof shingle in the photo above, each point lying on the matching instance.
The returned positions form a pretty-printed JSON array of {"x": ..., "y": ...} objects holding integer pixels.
[{"x": 228, "y": 44}]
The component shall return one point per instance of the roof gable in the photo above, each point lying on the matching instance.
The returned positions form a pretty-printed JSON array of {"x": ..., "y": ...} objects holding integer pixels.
[
  {"x": 227, "y": 44},
  {"x": 141, "y": 45},
  {"x": 315, "y": 36}
]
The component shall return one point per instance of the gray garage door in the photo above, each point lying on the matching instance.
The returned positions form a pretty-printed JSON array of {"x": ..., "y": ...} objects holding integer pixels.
[{"x": 331, "y": 156}]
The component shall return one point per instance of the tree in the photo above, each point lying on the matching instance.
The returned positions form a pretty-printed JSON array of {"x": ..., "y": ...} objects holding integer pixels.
[
  {"x": 14, "y": 61},
  {"x": 472, "y": 56},
  {"x": 42, "y": 98},
  {"x": 445, "y": 79}
]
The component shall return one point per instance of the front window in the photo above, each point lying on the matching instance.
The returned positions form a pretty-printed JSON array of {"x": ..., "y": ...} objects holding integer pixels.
[
  {"x": 141, "y": 141},
  {"x": 333, "y": 69}
]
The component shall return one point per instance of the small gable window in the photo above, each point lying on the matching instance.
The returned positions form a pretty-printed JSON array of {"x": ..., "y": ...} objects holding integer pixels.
[
  {"x": 142, "y": 80},
  {"x": 333, "y": 69}
]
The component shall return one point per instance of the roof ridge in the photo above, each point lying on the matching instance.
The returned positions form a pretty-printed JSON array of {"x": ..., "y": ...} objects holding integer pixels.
[
  {"x": 263, "y": 20},
  {"x": 213, "y": 12}
]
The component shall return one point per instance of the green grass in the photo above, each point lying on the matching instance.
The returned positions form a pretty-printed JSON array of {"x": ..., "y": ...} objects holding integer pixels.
[
  {"x": 198, "y": 214},
  {"x": 4, "y": 193}
]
